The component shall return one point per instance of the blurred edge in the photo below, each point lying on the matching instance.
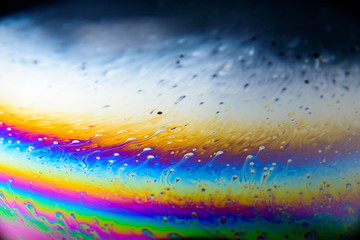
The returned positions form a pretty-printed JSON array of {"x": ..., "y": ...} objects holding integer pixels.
[
  {"x": 8, "y": 7},
  {"x": 349, "y": 7}
]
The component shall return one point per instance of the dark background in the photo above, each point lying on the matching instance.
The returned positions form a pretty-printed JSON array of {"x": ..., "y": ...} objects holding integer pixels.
[
  {"x": 349, "y": 7},
  {"x": 274, "y": 20}
]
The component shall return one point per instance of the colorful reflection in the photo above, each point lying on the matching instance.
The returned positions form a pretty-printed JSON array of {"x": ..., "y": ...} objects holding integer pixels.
[{"x": 190, "y": 136}]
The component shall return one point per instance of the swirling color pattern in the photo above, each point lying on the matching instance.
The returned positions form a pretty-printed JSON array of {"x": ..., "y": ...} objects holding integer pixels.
[{"x": 194, "y": 137}]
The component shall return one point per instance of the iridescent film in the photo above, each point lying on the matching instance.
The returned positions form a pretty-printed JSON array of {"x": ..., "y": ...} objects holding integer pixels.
[{"x": 159, "y": 120}]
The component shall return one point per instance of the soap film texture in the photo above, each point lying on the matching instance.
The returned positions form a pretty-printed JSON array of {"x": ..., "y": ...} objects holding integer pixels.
[{"x": 128, "y": 129}]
